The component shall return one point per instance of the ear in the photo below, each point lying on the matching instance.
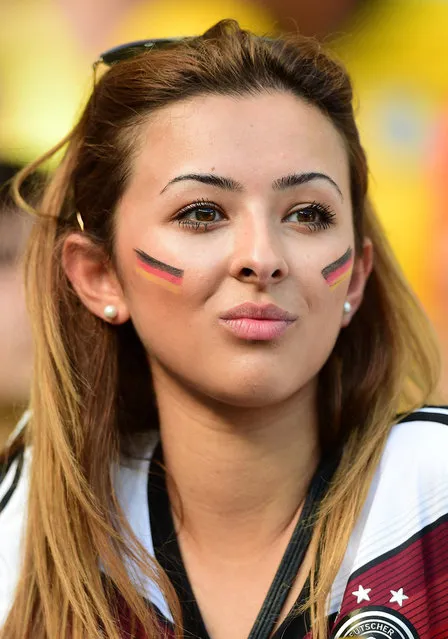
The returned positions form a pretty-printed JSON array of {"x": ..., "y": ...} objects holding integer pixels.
[
  {"x": 93, "y": 277},
  {"x": 361, "y": 270}
]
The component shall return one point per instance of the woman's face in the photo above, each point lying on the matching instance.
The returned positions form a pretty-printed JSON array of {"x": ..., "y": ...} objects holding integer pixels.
[{"x": 237, "y": 202}]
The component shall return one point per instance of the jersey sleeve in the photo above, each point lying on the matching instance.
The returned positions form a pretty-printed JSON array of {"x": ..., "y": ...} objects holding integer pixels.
[
  {"x": 13, "y": 503},
  {"x": 394, "y": 579}
]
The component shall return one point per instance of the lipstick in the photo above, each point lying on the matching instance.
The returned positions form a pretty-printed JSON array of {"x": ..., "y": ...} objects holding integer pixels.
[{"x": 257, "y": 322}]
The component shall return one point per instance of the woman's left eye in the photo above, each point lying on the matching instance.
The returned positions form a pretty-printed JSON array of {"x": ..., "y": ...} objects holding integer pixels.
[
  {"x": 199, "y": 216},
  {"x": 314, "y": 216}
]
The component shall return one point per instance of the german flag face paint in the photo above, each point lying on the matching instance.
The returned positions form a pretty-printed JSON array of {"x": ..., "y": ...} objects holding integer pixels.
[
  {"x": 158, "y": 272},
  {"x": 339, "y": 270}
]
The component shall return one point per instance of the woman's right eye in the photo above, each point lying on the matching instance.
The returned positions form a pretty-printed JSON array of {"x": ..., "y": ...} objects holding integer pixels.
[{"x": 199, "y": 216}]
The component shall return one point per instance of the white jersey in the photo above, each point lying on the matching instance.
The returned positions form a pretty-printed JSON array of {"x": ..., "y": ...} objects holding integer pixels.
[{"x": 393, "y": 581}]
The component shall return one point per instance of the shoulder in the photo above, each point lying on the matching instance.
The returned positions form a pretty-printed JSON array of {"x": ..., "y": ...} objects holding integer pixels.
[
  {"x": 413, "y": 472},
  {"x": 14, "y": 477},
  {"x": 14, "y": 482},
  {"x": 418, "y": 444},
  {"x": 401, "y": 531},
  {"x": 408, "y": 496},
  {"x": 427, "y": 419},
  {"x": 130, "y": 478}
]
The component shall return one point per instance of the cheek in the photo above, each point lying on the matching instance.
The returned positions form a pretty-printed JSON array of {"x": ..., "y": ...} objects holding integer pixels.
[
  {"x": 165, "y": 297},
  {"x": 157, "y": 272},
  {"x": 324, "y": 285},
  {"x": 188, "y": 280},
  {"x": 184, "y": 265},
  {"x": 324, "y": 278},
  {"x": 339, "y": 270}
]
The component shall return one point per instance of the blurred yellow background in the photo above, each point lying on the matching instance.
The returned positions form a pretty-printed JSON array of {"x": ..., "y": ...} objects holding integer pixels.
[{"x": 396, "y": 52}]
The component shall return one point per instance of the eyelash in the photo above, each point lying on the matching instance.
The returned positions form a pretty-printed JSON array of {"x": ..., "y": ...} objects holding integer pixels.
[
  {"x": 326, "y": 216},
  {"x": 182, "y": 219}
]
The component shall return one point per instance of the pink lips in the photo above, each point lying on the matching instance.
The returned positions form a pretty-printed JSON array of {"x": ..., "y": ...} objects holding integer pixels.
[{"x": 259, "y": 322}]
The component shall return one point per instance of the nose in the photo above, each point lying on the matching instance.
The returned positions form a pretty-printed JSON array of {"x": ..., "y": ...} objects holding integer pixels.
[{"x": 258, "y": 257}]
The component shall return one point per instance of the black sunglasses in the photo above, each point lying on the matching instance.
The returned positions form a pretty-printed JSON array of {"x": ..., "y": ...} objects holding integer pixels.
[
  {"x": 130, "y": 49},
  {"x": 125, "y": 51}
]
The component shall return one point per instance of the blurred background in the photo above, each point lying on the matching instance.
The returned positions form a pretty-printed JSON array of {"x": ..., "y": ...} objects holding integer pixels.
[{"x": 396, "y": 52}]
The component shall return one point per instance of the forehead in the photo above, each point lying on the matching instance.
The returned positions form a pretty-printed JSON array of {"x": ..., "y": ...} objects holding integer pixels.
[{"x": 257, "y": 137}]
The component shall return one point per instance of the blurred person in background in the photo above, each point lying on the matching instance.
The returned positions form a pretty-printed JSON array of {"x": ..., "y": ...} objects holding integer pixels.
[{"x": 15, "y": 337}]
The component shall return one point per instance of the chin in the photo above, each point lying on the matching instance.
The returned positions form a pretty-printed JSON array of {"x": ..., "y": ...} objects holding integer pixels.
[{"x": 253, "y": 393}]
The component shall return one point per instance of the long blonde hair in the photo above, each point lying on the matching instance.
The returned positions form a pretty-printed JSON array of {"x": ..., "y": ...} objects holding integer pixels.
[{"x": 84, "y": 409}]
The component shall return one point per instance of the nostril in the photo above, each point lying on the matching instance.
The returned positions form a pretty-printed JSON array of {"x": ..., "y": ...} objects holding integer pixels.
[
  {"x": 246, "y": 272},
  {"x": 277, "y": 273}
]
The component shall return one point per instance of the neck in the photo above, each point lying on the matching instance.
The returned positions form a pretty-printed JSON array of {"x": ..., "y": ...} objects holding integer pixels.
[{"x": 236, "y": 473}]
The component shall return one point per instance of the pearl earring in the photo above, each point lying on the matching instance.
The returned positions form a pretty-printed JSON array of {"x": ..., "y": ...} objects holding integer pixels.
[
  {"x": 110, "y": 312},
  {"x": 347, "y": 307}
]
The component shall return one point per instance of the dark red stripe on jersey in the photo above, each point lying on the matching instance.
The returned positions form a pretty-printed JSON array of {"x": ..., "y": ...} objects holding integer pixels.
[
  {"x": 413, "y": 555},
  {"x": 136, "y": 631},
  {"x": 394, "y": 551},
  {"x": 420, "y": 567}
]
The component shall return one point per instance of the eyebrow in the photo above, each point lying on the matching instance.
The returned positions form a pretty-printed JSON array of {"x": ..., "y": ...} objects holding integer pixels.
[
  {"x": 297, "y": 179},
  {"x": 229, "y": 184},
  {"x": 225, "y": 183}
]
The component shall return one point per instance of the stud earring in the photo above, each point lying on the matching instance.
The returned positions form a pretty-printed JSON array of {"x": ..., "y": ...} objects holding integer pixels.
[
  {"x": 347, "y": 307},
  {"x": 110, "y": 312}
]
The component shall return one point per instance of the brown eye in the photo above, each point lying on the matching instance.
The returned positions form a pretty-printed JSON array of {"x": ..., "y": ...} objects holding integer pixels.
[
  {"x": 314, "y": 217},
  {"x": 307, "y": 215},
  {"x": 200, "y": 216},
  {"x": 204, "y": 214}
]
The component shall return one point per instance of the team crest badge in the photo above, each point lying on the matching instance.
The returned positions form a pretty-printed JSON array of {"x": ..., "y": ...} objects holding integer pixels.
[{"x": 374, "y": 622}]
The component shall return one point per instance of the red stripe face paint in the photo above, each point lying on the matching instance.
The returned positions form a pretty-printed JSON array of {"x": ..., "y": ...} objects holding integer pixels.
[
  {"x": 339, "y": 270},
  {"x": 158, "y": 272}
]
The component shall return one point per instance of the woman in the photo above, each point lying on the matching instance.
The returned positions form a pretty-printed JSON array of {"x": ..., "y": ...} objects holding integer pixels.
[{"x": 223, "y": 343}]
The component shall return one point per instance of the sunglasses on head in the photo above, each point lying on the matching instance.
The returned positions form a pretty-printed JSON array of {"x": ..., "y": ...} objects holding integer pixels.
[
  {"x": 130, "y": 49},
  {"x": 126, "y": 51}
]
